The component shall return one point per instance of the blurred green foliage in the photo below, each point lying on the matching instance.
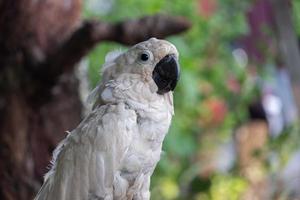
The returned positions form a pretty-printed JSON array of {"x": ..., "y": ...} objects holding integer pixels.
[
  {"x": 296, "y": 16},
  {"x": 211, "y": 98}
]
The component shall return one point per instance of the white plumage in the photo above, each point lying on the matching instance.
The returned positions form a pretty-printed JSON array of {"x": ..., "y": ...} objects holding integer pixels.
[{"x": 114, "y": 150}]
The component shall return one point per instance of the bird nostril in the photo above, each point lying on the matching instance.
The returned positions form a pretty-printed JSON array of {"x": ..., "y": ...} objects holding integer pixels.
[{"x": 168, "y": 57}]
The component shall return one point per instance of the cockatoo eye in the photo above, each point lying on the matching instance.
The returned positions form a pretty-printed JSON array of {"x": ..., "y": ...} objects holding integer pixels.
[{"x": 145, "y": 56}]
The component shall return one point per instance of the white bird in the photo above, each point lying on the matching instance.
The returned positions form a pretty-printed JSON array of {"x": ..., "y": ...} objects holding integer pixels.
[{"x": 114, "y": 150}]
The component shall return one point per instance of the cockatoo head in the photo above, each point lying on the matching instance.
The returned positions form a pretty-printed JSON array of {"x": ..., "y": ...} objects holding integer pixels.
[{"x": 155, "y": 60}]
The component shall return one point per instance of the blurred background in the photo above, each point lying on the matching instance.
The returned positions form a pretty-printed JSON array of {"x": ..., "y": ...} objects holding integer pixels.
[{"x": 235, "y": 133}]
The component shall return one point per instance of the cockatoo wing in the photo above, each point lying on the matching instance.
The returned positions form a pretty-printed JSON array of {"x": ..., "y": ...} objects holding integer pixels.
[{"x": 86, "y": 162}]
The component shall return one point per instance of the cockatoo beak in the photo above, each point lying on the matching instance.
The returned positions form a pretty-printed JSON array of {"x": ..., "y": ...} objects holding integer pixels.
[{"x": 166, "y": 73}]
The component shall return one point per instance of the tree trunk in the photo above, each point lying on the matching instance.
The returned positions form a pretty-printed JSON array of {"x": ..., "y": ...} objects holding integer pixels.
[{"x": 40, "y": 43}]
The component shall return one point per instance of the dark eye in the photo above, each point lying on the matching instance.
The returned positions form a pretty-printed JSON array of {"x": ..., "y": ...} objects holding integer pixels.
[{"x": 144, "y": 56}]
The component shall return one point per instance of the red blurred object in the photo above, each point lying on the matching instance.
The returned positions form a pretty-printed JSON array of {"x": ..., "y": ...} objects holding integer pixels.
[
  {"x": 207, "y": 8},
  {"x": 233, "y": 85},
  {"x": 215, "y": 112}
]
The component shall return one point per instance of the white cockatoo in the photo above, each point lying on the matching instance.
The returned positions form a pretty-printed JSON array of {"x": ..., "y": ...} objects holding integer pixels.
[{"x": 114, "y": 150}]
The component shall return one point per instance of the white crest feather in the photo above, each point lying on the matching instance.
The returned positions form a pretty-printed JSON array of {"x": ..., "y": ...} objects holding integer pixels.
[
  {"x": 110, "y": 58},
  {"x": 109, "y": 61}
]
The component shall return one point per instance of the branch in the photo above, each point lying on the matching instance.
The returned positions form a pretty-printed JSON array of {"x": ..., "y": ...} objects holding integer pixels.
[
  {"x": 160, "y": 26},
  {"x": 92, "y": 32}
]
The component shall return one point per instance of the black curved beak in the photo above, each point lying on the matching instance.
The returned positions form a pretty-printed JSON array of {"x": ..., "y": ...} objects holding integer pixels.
[{"x": 166, "y": 74}]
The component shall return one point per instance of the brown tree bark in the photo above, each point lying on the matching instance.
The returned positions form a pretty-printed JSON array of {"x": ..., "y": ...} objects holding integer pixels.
[{"x": 40, "y": 43}]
